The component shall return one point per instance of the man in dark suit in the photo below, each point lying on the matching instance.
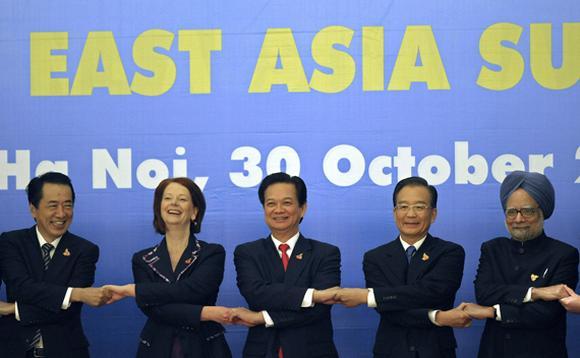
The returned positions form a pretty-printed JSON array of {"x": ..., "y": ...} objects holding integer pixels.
[
  {"x": 520, "y": 279},
  {"x": 412, "y": 281},
  {"x": 48, "y": 273},
  {"x": 286, "y": 279}
]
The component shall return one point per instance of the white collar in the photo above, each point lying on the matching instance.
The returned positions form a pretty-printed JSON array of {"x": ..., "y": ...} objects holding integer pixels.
[
  {"x": 291, "y": 243},
  {"x": 417, "y": 245},
  {"x": 42, "y": 240}
]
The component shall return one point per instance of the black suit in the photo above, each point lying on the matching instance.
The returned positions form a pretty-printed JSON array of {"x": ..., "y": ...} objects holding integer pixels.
[
  {"x": 173, "y": 300},
  {"x": 405, "y": 293},
  {"x": 507, "y": 269},
  {"x": 10, "y": 344},
  {"x": 40, "y": 294},
  {"x": 301, "y": 332}
]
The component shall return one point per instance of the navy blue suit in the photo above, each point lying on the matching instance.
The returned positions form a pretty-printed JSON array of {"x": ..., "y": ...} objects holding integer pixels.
[
  {"x": 301, "y": 332},
  {"x": 507, "y": 269},
  {"x": 173, "y": 300},
  {"x": 10, "y": 344},
  {"x": 40, "y": 293},
  {"x": 406, "y": 292}
]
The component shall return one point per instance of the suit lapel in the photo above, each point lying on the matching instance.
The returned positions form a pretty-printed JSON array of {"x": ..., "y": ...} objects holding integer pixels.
[
  {"x": 301, "y": 257},
  {"x": 273, "y": 259},
  {"x": 33, "y": 249},
  {"x": 421, "y": 260},
  {"x": 159, "y": 262},
  {"x": 395, "y": 260},
  {"x": 189, "y": 257}
]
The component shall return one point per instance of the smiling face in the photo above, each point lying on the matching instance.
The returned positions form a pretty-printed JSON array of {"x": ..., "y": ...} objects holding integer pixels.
[
  {"x": 177, "y": 209},
  {"x": 282, "y": 211},
  {"x": 414, "y": 224},
  {"x": 520, "y": 227},
  {"x": 54, "y": 213}
]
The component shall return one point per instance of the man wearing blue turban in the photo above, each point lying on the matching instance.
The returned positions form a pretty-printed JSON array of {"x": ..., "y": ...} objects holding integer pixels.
[{"x": 520, "y": 279}]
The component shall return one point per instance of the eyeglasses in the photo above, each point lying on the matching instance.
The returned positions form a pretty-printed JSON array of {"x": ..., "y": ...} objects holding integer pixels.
[
  {"x": 417, "y": 208},
  {"x": 527, "y": 213}
]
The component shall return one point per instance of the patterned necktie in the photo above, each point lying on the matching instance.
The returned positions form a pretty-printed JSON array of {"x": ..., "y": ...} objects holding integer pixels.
[
  {"x": 46, "y": 249},
  {"x": 410, "y": 252},
  {"x": 283, "y": 248}
]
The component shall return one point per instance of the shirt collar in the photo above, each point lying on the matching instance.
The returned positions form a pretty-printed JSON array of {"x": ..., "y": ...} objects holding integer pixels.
[
  {"x": 42, "y": 240},
  {"x": 291, "y": 243},
  {"x": 417, "y": 245}
]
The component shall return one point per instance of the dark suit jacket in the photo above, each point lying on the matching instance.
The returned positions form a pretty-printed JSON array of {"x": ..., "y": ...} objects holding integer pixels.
[
  {"x": 406, "y": 292},
  {"x": 173, "y": 301},
  {"x": 301, "y": 332},
  {"x": 39, "y": 294},
  {"x": 507, "y": 269},
  {"x": 10, "y": 344}
]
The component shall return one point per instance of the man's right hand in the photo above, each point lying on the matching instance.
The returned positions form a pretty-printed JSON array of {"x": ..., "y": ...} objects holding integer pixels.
[
  {"x": 549, "y": 293},
  {"x": 476, "y": 311},
  {"x": 327, "y": 297},
  {"x": 92, "y": 296},
  {"x": 245, "y": 317},
  {"x": 456, "y": 318}
]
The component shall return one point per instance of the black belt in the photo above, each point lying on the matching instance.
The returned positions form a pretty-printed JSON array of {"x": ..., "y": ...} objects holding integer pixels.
[{"x": 36, "y": 353}]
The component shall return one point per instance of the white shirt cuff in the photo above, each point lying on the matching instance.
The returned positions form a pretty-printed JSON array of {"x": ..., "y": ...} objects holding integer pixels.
[
  {"x": 497, "y": 312},
  {"x": 66, "y": 302},
  {"x": 432, "y": 317},
  {"x": 307, "y": 300},
  {"x": 371, "y": 301},
  {"x": 528, "y": 297},
  {"x": 16, "y": 313},
  {"x": 268, "y": 319}
]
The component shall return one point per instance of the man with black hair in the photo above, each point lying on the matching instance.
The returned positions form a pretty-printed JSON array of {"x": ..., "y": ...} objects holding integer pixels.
[
  {"x": 287, "y": 279},
  {"x": 412, "y": 281},
  {"x": 48, "y": 273}
]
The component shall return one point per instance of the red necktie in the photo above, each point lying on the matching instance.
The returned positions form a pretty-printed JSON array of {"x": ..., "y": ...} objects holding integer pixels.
[
  {"x": 285, "y": 258},
  {"x": 283, "y": 248}
]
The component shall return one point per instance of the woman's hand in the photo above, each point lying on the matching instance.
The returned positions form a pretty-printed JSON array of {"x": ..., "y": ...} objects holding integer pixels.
[{"x": 120, "y": 292}]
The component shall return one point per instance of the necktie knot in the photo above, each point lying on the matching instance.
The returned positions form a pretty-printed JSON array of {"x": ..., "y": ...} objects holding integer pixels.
[
  {"x": 283, "y": 248},
  {"x": 47, "y": 248},
  {"x": 410, "y": 252}
]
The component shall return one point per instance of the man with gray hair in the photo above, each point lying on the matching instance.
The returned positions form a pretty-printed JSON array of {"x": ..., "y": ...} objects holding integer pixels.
[{"x": 520, "y": 279}]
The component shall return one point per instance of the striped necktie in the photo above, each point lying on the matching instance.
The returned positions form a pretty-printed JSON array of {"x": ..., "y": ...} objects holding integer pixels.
[{"x": 46, "y": 249}]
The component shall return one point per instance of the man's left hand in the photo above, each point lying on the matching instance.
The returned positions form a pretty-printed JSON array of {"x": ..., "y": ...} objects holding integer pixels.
[
  {"x": 352, "y": 297},
  {"x": 6, "y": 308}
]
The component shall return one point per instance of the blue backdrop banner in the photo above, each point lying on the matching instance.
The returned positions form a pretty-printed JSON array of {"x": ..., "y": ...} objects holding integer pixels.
[{"x": 351, "y": 96}]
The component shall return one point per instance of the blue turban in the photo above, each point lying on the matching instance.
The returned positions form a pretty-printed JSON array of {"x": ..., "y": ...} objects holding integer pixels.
[{"x": 535, "y": 184}]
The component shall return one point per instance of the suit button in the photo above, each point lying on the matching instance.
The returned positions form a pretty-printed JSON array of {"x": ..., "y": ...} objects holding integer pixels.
[
  {"x": 521, "y": 250},
  {"x": 517, "y": 268},
  {"x": 508, "y": 336},
  {"x": 412, "y": 348}
]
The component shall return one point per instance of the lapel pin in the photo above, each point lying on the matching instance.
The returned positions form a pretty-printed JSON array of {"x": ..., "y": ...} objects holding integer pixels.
[
  {"x": 534, "y": 277},
  {"x": 66, "y": 252},
  {"x": 188, "y": 261},
  {"x": 299, "y": 256},
  {"x": 425, "y": 257}
]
